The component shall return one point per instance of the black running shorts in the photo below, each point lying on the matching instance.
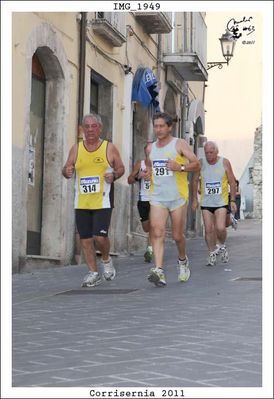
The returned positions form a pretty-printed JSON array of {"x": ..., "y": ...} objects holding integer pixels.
[
  {"x": 212, "y": 209},
  {"x": 143, "y": 208},
  {"x": 93, "y": 222}
]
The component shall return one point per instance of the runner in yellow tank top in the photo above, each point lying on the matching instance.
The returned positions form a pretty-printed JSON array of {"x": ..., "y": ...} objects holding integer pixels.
[
  {"x": 91, "y": 189},
  {"x": 97, "y": 164}
]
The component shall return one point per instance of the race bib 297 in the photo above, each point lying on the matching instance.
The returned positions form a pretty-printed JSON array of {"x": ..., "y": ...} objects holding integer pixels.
[{"x": 212, "y": 188}]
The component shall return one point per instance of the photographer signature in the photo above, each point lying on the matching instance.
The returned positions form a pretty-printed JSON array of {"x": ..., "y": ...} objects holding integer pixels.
[{"x": 237, "y": 30}]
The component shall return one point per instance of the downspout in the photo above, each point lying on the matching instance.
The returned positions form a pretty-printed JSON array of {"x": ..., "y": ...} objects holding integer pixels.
[
  {"x": 159, "y": 56},
  {"x": 81, "y": 94},
  {"x": 158, "y": 75},
  {"x": 184, "y": 114},
  {"x": 82, "y": 66}
]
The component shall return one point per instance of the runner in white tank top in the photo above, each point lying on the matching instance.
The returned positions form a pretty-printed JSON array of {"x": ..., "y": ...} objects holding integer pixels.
[
  {"x": 215, "y": 175},
  {"x": 138, "y": 174},
  {"x": 170, "y": 159}
]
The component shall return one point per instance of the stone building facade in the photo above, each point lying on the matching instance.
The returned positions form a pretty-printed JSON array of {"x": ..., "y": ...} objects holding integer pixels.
[
  {"x": 257, "y": 174},
  {"x": 67, "y": 64}
]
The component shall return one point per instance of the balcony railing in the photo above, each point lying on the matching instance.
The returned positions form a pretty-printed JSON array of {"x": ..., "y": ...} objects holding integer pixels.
[
  {"x": 155, "y": 22},
  {"x": 111, "y": 26},
  {"x": 188, "y": 53}
]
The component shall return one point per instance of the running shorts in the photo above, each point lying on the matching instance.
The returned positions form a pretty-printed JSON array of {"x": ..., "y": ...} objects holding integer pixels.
[
  {"x": 143, "y": 209},
  {"x": 94, "y": 222}
]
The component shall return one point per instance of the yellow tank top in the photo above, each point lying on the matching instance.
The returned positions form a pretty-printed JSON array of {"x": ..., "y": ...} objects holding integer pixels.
[{"x": 91, "y": 189}]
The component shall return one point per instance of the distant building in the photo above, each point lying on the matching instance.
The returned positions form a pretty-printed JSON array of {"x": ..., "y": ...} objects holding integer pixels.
[
  {"x": 246, "y": 187},
  {"x": 251, "y": 181},
  {"x": 257, "y": 174}
]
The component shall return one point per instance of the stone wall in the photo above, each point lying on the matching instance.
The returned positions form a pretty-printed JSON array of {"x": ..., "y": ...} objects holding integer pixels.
[{"x": 257, "y": 174}]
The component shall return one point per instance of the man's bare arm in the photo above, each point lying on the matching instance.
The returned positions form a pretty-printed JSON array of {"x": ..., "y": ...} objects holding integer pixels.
[
  {"x": 184, "y": 149},
  {"x": 115, "y": 162},
  {"x": 232, "y": 184},
  {"x": 134, "y": 174},
  {"x": 69, "y": 167}
]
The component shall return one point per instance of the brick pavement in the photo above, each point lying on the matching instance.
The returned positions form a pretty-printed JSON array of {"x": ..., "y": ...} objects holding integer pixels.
[{"x": 205, "y": 333}]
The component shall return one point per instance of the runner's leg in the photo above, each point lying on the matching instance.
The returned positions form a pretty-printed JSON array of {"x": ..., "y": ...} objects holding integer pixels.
[{"x": 158, "y": 219}]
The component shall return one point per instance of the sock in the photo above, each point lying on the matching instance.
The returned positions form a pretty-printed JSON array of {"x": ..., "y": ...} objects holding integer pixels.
[{"x": 106, "y": 261}]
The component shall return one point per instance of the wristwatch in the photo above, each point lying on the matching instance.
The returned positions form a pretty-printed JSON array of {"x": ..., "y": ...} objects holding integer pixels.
[{"x": 183, "y": 168}]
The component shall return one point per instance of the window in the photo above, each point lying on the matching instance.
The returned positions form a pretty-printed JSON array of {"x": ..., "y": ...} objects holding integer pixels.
[
  {"x": 250, "y": 175},
  {"x": 94, "y": 96},
  {"x": 101, "y": 102}
]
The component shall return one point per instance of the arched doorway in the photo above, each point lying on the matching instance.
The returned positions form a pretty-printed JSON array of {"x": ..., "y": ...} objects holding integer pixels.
[
  {"x": 36, "y": 158},
  {"x": 170, "y": 108},
  {"x": 44, "y": 218}
]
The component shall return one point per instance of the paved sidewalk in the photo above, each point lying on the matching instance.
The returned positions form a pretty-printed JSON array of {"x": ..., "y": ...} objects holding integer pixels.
[{"x": 129, "y": 333}]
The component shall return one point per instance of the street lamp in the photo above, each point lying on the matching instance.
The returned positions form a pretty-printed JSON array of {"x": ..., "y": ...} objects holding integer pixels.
[{"x": 228, "y": 44}]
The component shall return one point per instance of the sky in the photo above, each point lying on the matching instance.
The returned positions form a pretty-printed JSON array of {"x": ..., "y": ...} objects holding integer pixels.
[{"x": 233, "y": 100}]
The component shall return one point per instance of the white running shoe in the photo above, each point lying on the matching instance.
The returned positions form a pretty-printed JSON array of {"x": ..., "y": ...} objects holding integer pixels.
[
  {"x": 91, "y": 280},
  {"x": 224, "y": 254},
  {"x": 234, "y": 222},
  {"x": 157, "y": 276},
  {"x": 183, "y": 270},
  {"x": 109, "y": 272},
  {"x": 211, "y": 260},
  {"x": 217, "y": 250}
]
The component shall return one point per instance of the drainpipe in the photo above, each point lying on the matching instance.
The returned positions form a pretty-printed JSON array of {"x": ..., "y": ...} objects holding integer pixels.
[
  {"x": 82, "y": 66},
  {"x": 159, "y": 56},
  {"x": 158, "y": 75},
  {"x": 81, "y": 93},
  {"x": 184, "y": 107}
]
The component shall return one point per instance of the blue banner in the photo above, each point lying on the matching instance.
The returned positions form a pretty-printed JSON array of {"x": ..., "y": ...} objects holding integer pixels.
[{"x": 145, "y": 88}]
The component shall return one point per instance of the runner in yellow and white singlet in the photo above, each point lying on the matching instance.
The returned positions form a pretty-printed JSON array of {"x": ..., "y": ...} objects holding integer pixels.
[
  {"x": 215, "y": 175},
  {"x": 170, "y": 161},
  {"x": 97, "y": 164}
]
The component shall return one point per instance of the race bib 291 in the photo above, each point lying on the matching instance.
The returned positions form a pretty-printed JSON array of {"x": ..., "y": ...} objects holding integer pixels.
[{"x": 160, "y": 169}]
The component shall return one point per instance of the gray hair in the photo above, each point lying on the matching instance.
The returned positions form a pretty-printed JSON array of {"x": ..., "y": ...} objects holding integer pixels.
[
  {"x": 212, "y": 144},
  {"x": 163, "y": 115},
  {"x": 94, "y": 116}
]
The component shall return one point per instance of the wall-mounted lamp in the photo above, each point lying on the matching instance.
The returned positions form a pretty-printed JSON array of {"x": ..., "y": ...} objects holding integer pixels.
[{"x": 228, "y": 45}]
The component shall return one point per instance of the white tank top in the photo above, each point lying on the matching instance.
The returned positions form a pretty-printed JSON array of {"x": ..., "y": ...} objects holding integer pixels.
[
  {"x": 144, "y": 185},
  {"x": 214, "y": 184},
  {"x": 167, "y": 185}
]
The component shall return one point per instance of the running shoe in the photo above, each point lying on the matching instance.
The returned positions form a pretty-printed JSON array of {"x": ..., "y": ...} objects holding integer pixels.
[
  {"x": 211, "y": 260},
  {"x": 217, "y": 249},
  {"x": 183, "y": 269},
  {"x": 148, "y": 255},
  {"x": 91, "y": 280},
  {"x": 224, "y": 254},
  {"x": 234, "y": 222},
  {"x": 157, "y": 276},
  {"x": 109, "y": 272}
]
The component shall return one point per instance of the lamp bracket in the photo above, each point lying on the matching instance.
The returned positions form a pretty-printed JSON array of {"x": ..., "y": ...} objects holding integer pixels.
[{"x": 219, "y": 64}]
